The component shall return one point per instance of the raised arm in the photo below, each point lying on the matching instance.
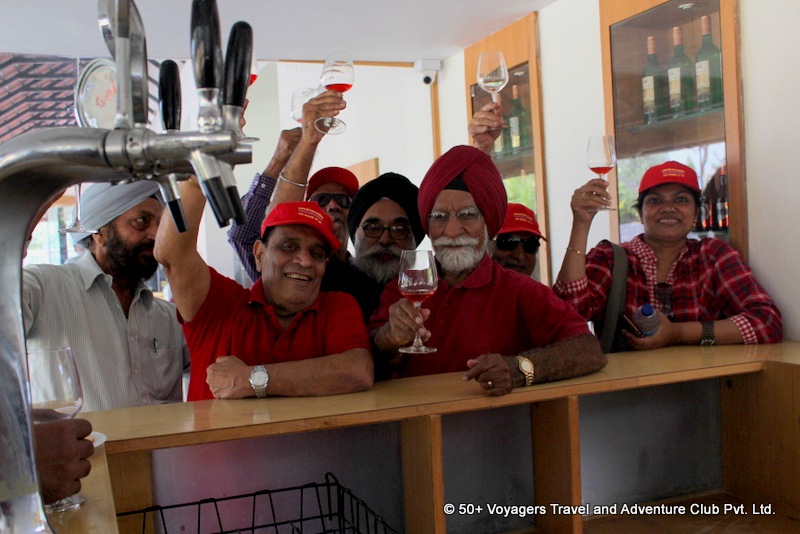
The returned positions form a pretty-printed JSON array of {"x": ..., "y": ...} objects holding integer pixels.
[
  {"x": 256, "y": 200},
  {"x": 291, "y": 186},
  {"x": 186, "y": 270},
  {"x": 486, "y": 126}
]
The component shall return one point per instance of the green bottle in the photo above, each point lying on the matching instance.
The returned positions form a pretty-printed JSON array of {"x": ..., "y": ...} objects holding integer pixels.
[
  {"x": 680, "y": 74},
  {"x": 708, "y": 69},
  {"x": 519, "y": 122},
  {"x": 654, "y": 85}
]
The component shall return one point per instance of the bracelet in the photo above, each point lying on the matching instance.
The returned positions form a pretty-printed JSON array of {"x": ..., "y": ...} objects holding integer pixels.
[
  {"x": 576, "y": 251},
  {"x": 282, "y": 178}
]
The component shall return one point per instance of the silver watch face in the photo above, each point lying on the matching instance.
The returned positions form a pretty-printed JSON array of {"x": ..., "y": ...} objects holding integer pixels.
[
  {"x": 525, "y": 365},
  {"x": 259, "y": 377}
]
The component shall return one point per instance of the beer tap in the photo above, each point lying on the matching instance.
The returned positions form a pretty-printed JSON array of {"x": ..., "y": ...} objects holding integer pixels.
[
  {"x": 207, "y": 60},
  {"x": 237, "y": 76},
  {"x": 169, "y": 96}
]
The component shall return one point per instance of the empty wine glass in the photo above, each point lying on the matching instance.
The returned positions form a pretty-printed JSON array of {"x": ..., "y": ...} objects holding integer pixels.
[
  {"x": 417, "y": 281},
  {"x": 337, "y": 74},
  {"x": 601, "y": 157},
  {"x": 55, "y": 394},
  {"x": 300, "y": 97},
  {"x": 492, "y": 73},
  {"x": 77, "y": 227}
]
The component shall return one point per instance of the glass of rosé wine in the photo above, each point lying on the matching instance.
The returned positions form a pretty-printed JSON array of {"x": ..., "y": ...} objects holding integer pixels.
[
  {"x": 337, "y": 75},
  {"x": 601, "y": 157},
  {"x": 417, "y": 281}
]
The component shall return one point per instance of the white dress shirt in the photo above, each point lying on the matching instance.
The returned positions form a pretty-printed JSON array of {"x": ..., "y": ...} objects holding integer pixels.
[{"x": 122, "y": 362}]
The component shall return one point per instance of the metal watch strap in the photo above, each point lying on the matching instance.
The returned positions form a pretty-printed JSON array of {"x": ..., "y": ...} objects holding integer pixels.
[
  {"x": 708, "y": 338},
  {"x": 261, "y": 390},
  {"x": 529, "y": 375}
]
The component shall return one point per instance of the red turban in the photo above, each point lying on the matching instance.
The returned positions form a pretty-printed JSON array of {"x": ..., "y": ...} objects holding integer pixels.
[{"x": 482, "y": 178}]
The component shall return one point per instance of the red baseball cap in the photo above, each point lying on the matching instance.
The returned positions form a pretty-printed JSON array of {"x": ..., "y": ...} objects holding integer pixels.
[
  {"x": 304, "y": 213},
  {"x": 336, "y": 175},
  {"x": 520, "y": 218},
  {"x": 670, "y": 172}
]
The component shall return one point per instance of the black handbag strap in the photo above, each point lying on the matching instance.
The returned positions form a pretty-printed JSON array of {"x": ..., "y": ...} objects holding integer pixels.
[{"x": 616, "y": 299}]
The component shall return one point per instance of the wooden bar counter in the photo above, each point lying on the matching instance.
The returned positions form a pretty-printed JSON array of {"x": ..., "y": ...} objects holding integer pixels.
[{"x": 759, "y": 391}]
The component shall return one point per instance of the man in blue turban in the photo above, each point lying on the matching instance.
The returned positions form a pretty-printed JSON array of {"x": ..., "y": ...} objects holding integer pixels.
[{"x": 127, "y": 344}]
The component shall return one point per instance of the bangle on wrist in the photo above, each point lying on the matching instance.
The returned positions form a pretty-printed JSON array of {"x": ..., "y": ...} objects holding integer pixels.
[
  {"x": 283, "y": 178},
  {"x": 576, "y": 251}
]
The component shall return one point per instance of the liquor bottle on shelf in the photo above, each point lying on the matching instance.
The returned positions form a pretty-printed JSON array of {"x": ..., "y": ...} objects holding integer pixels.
[
  {"x": 680, "y": 74},
  {"x": 705, "y": 218},
  {"x": 721, "y": 217},
  {"x": 708, "y": 69},
  {"x": 519, "y": 122},
  {"x": 654, "y": 85}
]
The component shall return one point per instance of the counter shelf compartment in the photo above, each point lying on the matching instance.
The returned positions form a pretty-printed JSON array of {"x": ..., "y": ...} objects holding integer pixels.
[{"x": 315, "y": 508}]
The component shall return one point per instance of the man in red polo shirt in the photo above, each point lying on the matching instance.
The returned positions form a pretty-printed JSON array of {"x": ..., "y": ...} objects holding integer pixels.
[
  {"x": 504, "y": 330},
  {"x": 282, "y": 336}
]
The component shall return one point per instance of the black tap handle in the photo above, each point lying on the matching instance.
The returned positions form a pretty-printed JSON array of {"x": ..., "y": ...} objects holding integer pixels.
[
  {"x": 237, "y": 64},
  {"x": 169, "y": 95},
  {"x": 214, "y": 191},
  {"x": 239, "y": 215},
  {"x": 206, "y": 47}
]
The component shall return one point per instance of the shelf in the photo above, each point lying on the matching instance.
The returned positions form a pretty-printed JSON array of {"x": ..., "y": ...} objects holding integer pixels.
[{"x": 698, "y": 128}]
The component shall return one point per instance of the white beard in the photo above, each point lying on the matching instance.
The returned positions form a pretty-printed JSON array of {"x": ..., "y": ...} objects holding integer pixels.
[
  {"x": 461, "y": 254},
  {"x": 382, "y": 271}
]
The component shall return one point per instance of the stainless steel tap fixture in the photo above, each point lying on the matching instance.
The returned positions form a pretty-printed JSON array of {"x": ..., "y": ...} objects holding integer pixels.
[{"x": 37, "y": 166}]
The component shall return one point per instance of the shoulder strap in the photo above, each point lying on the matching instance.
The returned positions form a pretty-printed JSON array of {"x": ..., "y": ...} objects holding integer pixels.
[{"x": 616, "y": 298}]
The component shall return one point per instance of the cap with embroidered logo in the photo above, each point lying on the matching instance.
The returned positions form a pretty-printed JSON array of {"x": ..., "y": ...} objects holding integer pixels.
[
  {"x": 303, "y": 213},
  {"x": 670, "y": 172},
  {"x": 520, "y": 218}
]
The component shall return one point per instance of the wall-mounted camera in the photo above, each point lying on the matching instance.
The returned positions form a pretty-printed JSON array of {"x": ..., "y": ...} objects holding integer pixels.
[{"x": 428, "y": 68}]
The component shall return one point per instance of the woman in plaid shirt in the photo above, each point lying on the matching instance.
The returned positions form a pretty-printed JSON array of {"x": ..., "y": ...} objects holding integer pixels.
[{"x": 715, "y": 296}]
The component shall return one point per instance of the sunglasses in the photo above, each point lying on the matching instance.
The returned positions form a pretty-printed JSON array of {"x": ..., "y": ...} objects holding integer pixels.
[
  {"x": 509, "y": 242},
  {"x": 375, "y": 230},
  {"x": 664, "y": 293},
  {"x": 323, "y": 199}
]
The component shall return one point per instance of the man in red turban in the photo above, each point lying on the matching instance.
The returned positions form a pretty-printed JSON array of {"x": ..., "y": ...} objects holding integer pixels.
[{"x": 504, "y": 329}]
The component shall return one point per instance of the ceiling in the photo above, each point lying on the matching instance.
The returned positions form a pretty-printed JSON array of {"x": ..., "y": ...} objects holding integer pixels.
[{"x": 371, "y": 30}]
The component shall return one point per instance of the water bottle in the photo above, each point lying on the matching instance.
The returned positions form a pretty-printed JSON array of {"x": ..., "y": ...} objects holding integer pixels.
[{"x": 646, "y": 319}]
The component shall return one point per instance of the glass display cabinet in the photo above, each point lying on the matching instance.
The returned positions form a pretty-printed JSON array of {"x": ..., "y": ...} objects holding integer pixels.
[
  {"x": 671, "y": 80},
  {"x": 519, "y": 151}
]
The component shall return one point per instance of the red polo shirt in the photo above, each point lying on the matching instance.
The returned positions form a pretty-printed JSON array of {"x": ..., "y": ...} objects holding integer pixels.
[
  {"x": 493, "y": 310},
  {"x": 234, "y": 321}
]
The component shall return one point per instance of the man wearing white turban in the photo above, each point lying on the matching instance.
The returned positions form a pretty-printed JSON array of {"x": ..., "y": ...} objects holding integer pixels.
[{"x": 128, "y": 345}]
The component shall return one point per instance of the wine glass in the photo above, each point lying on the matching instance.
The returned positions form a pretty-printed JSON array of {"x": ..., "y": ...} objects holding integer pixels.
[
  {"x": 337, "y": 74},
  {"x": 417, "y": 281},
  {"x": 492, "y": 73},
  {"x": 77, "y": 227},
  {"x": 300, "y": 97},
  {"x": 248, "y": 139},
  {"x": 601, "y": 157},
  {"x": 55, "y": 394}
]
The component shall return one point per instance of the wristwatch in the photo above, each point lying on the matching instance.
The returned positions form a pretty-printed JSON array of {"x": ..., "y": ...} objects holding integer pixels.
[
  {"x": 526, "y": 368},
  {"x": 259, "y": 379},
  {"x": 708, "y": 338}
]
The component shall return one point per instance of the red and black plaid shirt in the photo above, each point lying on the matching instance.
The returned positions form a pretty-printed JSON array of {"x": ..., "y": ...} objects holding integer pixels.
[{"x": 710, "y": 280}]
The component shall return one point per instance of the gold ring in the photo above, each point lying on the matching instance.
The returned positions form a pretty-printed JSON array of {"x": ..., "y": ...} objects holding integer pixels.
[{"x": 489, "y": 383}]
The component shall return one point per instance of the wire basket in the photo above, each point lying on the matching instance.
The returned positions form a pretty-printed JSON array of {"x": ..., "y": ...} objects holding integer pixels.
[{"x": 315, "y": 508}]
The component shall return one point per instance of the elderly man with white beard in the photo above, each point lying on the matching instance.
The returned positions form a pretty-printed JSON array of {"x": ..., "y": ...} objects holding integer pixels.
[{"x": 502, "y": 328}]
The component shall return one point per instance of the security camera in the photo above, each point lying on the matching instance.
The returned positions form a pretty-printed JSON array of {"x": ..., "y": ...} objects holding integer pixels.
[
  {"x": 428, "y": 69},
  {"x": 428, "y": 77}
]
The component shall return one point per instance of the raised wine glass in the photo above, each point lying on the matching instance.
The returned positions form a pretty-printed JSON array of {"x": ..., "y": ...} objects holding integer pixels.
[
  {"x": 492, "y": 73},
  {"x": 601, "y": 157},
  {"x": 55, "y": 394},
  {"x": 249, "y": 139},
  {"x": 337, "y": 74},
  {"x": 417, "y": 281},
  {"x": 77, "y": 227}
]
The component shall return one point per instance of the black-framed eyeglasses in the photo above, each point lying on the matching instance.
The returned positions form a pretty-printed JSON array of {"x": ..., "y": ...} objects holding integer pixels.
[
  {"x": 323, "y": 199},
  {"x": 465, "y": 216},
  {"x": 664, "y": 292},
  {"x": 374, "y": 230},
  {"x": 510, "y": 242}
]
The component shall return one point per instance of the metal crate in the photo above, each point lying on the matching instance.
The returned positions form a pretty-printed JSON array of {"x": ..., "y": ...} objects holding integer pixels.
[{"x": 314, "y": 508}]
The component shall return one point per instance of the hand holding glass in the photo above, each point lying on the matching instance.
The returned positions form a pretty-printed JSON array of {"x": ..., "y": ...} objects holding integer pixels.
[
  {"x": 492, "y": 73},
  {"x": 601, "y": 157},
  {"x": 299, "y": 98},
  {"x": 55, "y": 394},
  {"x": 417, "y": 281},
  {"x": 337, "y": 75}
]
